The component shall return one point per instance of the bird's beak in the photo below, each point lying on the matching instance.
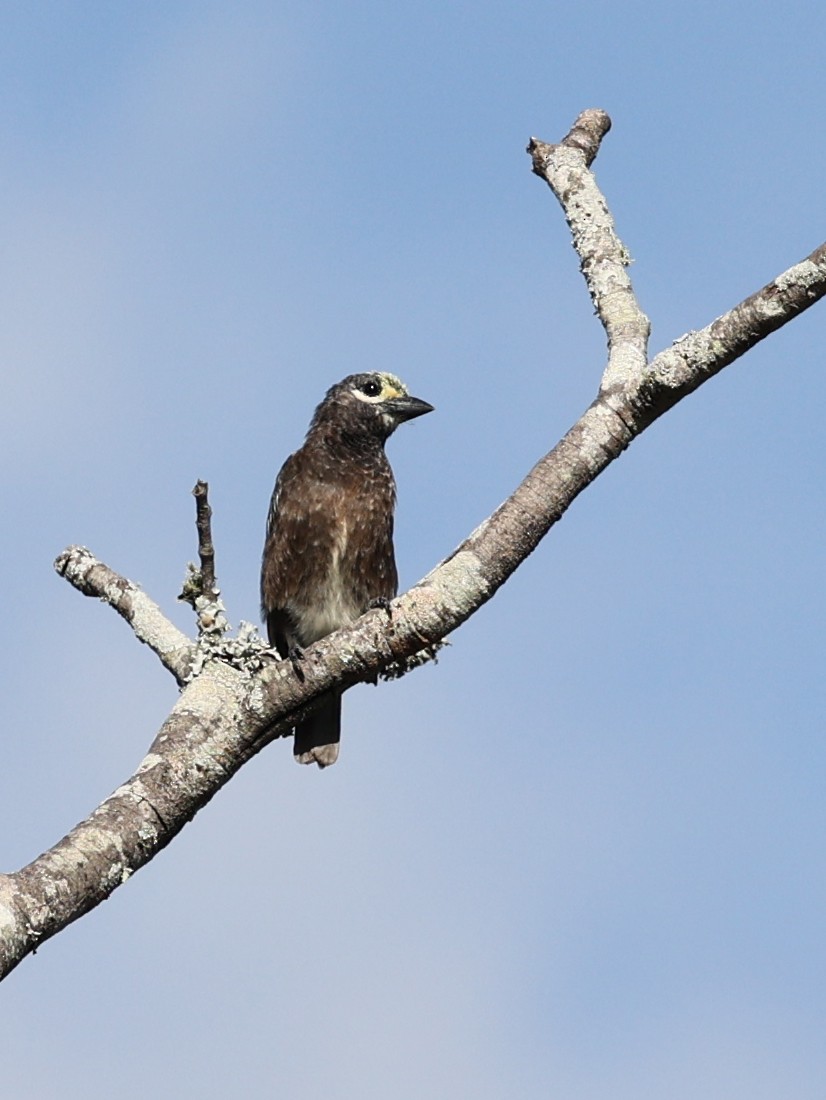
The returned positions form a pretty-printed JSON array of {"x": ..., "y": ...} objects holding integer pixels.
[{"x": 407, "y": 408}]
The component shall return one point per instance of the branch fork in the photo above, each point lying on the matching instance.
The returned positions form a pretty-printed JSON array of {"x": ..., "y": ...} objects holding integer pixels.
[{"x": 237, "y": 697}]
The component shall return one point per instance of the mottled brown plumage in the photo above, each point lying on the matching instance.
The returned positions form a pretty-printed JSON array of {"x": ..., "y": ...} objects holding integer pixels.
[{"x": 328, "y": 554}]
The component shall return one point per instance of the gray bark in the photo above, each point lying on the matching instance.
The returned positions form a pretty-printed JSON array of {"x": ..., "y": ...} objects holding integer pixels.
[{"x": 237, "y": 697}]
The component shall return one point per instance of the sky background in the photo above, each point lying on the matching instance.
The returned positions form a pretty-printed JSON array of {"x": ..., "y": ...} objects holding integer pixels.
[{"x": 585, "y": 854}]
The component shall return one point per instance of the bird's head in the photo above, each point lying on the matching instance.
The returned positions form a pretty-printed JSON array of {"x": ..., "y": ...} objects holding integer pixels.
[{"x": 370, "y": 405}]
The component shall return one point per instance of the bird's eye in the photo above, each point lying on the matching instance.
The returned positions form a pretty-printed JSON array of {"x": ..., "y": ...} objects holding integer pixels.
[{"x": 371, "y": 388}]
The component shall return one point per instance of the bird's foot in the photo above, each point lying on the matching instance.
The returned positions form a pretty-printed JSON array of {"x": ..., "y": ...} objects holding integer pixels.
[
  {"x": 381, "y": 603},
  {"x": 295, "y": 657}
]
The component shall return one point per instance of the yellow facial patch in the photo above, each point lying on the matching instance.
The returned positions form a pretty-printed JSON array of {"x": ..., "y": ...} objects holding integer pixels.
[{"x": 391, "y": 387}]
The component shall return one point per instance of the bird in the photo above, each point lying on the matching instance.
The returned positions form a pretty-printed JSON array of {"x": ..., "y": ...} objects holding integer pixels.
[{"x": 328, "y": 552}]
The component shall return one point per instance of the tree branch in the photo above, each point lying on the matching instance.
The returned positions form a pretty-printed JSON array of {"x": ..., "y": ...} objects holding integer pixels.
[
  {"x": 91, "y": 577},
  {"x": 241, "y": 697},
  {"x": 200, "y": 589},
  {"x": 206, "y": 548},
  {"x": 604, "y": 258},
  {"x": 697, "y": 356}
]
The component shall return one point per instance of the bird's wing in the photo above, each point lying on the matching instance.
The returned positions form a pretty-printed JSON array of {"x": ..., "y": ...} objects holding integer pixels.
[{"x": 300, "y": 532}]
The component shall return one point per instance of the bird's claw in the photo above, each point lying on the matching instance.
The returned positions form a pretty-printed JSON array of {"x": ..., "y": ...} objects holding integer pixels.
[
  {"x": 295, "y": 657},
  {"x": 381, "y": 603}
]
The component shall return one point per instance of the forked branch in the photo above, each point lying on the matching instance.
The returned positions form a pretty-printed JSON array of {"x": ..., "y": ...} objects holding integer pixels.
[{"x": 238, "y": 698}]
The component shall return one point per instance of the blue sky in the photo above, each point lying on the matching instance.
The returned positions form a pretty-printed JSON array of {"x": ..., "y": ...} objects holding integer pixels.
[{"x": 582, "y": 856}]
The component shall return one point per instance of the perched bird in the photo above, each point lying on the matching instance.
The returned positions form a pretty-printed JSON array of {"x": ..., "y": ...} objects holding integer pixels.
[{"x": 328, "y": 554}]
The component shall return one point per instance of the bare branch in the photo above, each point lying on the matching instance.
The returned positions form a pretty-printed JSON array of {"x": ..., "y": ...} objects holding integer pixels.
[
  {"x": 200, "y": 590},
  {"x": 697, "y": 356},
  {"x": 206, "y": 549},
  {"x": 193, "y": 755},
  {"x": 241, "y": 697},
  {"x": 91, "y": 577},
  {"x": 565, "y": 168}
]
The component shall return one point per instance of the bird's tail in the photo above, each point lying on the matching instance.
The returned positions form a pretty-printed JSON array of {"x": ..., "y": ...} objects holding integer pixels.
[{"x": 317, "y": 737}]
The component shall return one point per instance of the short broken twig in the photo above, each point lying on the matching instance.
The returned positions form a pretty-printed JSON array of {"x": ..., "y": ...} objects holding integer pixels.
[
  {"x": 200, "y": 590},
  {"x": 206, "y": 548}
]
